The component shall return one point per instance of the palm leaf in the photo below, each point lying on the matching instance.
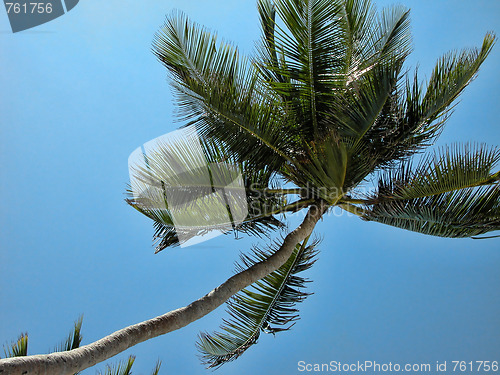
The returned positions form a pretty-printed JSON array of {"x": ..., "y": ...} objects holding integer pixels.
[
  {"x": 451, "y": 193},
  {"x": 452, "y": 74},
  {"x": 361, "y": 112},
  {"x": 218, "y": 91},
  {"x": 413, "y": 117},
  {"x": 156, "y": 369},
  {"x": 18, "y": 348},
  {"x": 267, "y": 307},
  {"x": 259, "y": 221},
  {"x": 393, "y": 37},
  {"x": 451, "y": 168},
  {"x": 355, "y": 112},
  {"x": 309, "y": 64},
  {"x": 120, "y": 369},
  {"x": 179, "y": 178},
  {"x": 370, "y": 75},
  {"x": 370, "y": 39},
  {"x": 74, "y": 338},
  {"x": 126, "y": 368},
  {"x": 460, "y": 213},
  {"x": 322, "y": 169},
  {"x": 357, "y": 24},
  {"x": 423, "y": 114},
  {"x": 269, "y": 64}
]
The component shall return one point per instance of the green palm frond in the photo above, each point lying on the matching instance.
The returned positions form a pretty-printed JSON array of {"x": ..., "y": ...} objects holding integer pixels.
[
  {"x": 259, "y": 221},
  {"x": 360, "y": 115},
  {"x": 179, "y": 179},
  {"x": 306, "y": 60},
  {"x": 156, "y": 369},
  {"x": 370, "y": 38},
  {"x": 393, "y": 36},
  {"x": 392, "y": 135},
  {"x": 267, "y": 307},
  {"x": 453, "y": 192},
  {"x": 322, "y": 169},
  {"x": 460, "y": 213},
  {"x": 74, "y": 338},
  {"x": 422, "y": 114},
  {"x": 451, "y": 168},
  {"x": 356, "y": 21},
  {"x": 355, "y": 112},
  {"x": 218, "y": 91},
  {"x": 17, "y": 348},
  {"x": 353, "y": 79},
  {"x": 125, "y": 368},
  {"x": 452, "y": 74},
  {"x": 323, "y": 50},
  {"x": 412, "y": 117},
  {"x": 120, "y": 369},
  {"x": 269, "y": 64}
]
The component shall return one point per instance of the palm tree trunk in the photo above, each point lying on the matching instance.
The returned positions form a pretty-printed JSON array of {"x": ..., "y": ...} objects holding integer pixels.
[{"x": 70, "y": 362}]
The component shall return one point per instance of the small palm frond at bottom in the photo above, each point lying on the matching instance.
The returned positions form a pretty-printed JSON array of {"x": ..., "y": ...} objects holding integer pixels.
[
  {"x": 120, "y": 369},
  {"x": 156, "y": 369},
  {"x": 268, "y": 306},
  {"x": 74, "y": 338},
  {"x": 125, "y": 368},
  {"x": 18, "y": 348}
]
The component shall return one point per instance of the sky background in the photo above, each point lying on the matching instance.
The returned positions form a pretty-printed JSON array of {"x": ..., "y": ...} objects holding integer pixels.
[{"x": 80, "y": 93}]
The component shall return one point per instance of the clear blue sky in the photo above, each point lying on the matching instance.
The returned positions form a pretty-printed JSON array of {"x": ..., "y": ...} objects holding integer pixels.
[{"x": 80, "y": 93}]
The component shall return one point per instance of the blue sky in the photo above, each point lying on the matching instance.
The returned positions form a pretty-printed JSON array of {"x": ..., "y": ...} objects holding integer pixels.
[{"x": 80, "y": 93}]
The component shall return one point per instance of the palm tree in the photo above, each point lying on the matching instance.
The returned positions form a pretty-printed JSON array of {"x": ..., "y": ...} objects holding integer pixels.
[{"x": 325, "y": 107}]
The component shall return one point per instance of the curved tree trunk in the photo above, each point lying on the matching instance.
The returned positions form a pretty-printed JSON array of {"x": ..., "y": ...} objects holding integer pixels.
[{"x": 69, "y": 362}]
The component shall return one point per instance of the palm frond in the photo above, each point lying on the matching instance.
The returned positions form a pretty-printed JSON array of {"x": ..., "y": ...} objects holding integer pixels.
[
  {"x": 371, "y": 38},
  {"x": 393, "y": 37},
  {"x": 74, "y": 338},
  {"x": 452, "y": 74},
  {"x": 120, "y": 369},
  {"x": 269, "y": 64},
  {"x": 453, "y": 192},
  {"x": 218, "y": 91},
  {"x": 413, "y": 117},
  {"x": 450, "y": 168},
  {"x": 423, "y": 114},
  {"x": 322, "y": 169},
  {"x": 190, "y": 189},
  {"x": 460, "y": 213},
  {"x": 259, "y": 221},
  {"x": 356, "y": 111},
  {"x": 298, "y": 59},
  {"x": 267, "y": 307},
  {"x": 17, "y": 348},
  {"x": 360, "y": 117},
  {"x": 156, "y": 369},
  {"x": 357, "y": 20},
  {"x": 307, "y": 46}
]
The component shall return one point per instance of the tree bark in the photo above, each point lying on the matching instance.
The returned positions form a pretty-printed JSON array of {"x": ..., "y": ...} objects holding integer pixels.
[{"x": 70, "y": 362}]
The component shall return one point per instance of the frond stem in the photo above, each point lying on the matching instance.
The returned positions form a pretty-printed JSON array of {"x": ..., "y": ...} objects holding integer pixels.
[{"x": 358, "y": 211}]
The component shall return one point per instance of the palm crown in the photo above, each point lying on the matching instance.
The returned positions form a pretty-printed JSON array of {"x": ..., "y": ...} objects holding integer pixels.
[{"x": 324, "y": 106}]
